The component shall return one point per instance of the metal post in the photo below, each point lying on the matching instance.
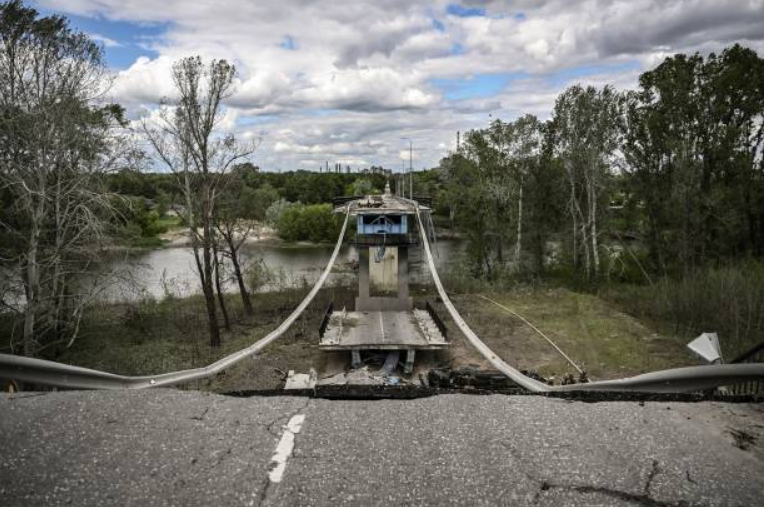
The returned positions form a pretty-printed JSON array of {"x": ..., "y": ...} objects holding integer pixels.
[
  {"x": 411, "y": 168},
  {"x": 409, "y": 366},
  {"x": 411, "y": 171},
  {"x": 402, "y": 179}
]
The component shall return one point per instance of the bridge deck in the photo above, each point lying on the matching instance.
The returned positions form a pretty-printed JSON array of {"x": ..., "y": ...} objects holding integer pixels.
[{"x": 382, "y": 331}]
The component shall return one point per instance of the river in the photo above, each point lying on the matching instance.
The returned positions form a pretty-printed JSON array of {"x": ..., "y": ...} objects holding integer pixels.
[{"x": 172, "y": 270}]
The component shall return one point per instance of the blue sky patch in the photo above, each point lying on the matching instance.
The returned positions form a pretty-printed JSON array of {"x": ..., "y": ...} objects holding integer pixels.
[
  {"x": 566, "y": 75},
  {"x": 478, "y": 86},
  {"x": 457, "y": 49},
  {"x": 132, "y": 38},
  {"x": 288, "y": 43},
  {"x": 464, "y": 12},
  {"x": 257, "y": 120}
]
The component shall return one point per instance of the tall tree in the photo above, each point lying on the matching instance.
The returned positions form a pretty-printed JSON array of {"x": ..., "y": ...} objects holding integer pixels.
[
  {"x": 586, "y": 126},
  {"x": 693, "y": 152},
  {"x": 57, "y": 140},
  {"x": 525, "y": 147},
  {"x": 187, "y": 139}
]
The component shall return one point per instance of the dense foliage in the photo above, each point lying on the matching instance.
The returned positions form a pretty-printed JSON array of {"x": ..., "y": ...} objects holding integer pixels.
[
  {"x": 676, "y": 164},
  {"x": 312, "y": 222},
  {"x": 56, "y": 144}
]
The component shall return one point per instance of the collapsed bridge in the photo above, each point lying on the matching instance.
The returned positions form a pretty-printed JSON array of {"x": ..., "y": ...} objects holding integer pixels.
[{"x": 384, "y": 319}]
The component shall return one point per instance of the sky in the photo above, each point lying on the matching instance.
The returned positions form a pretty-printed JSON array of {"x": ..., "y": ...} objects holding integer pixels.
[{"x": 344, "y": 81}]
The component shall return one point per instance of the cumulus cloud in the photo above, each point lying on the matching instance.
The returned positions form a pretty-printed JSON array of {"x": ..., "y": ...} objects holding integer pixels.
[{"x": 339, "y": 81}]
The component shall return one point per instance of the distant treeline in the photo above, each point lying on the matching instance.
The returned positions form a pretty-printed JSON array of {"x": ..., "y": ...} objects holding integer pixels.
[
  {"x": 307, "y": 187},
  {"x": 294, "y": 203}
]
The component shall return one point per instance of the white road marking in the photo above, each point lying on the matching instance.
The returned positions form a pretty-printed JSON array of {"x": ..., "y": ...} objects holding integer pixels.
[
  {"x": 284, "y": 448},
  {"x": 382, "y": 326}
]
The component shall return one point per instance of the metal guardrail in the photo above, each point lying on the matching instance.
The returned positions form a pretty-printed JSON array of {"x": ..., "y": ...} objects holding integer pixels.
[
  {"x": 436, "y": 318},
  {"x": 753, "y": 355},
  {"x": 39, "y": 371},
  {"x": 326, "y": 319},
  {"x": 386, "y": 239},
  {"x": 344, "y": 199}
]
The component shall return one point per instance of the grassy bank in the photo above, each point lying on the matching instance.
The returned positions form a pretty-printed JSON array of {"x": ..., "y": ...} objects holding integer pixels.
[
  {"x": 153, "y": 336},
  {"x": 599, "y": 338},
  {"x": 726, "y": 300}
]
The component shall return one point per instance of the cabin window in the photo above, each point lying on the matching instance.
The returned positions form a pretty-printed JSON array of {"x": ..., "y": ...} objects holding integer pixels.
[{"x": 382, "y": 224}]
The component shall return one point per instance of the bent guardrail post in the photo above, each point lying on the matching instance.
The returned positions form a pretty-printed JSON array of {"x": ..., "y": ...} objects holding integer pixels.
[{"x": 676, "y": 380}]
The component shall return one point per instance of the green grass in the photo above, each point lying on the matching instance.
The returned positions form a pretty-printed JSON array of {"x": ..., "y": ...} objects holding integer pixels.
[
  {"x": 169, "y": 222},
  {"x": 151, "y": 337},
  {"x": 147, "y": 242},
  {"x": 728, "y": 300},
  {"x": 602, "y": 340}
]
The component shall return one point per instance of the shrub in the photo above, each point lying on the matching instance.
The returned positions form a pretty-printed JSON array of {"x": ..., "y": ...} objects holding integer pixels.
[
  {"x": 275, "y": 211},
  {"x": 726, "y": 300},
  {"x": 315, "y": 223}
]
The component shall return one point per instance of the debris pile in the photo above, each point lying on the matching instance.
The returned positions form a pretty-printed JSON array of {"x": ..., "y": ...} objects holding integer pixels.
[
  {"x": 360, "y": 377},
  {"x": 468, "y": 377}
]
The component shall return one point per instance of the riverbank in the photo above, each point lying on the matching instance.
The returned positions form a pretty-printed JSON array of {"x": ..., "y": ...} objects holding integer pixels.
[
  {"x": 179, "y": 237},
  {"x": 151, "y": 336}
]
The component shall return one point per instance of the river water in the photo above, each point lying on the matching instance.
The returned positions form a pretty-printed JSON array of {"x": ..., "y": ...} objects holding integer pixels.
[{"x": 172, "y": 270}]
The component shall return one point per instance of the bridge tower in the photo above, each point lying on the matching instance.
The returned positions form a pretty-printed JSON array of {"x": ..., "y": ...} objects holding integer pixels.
[
  {"x": 383, "y": 237},
  {"x": 384, "y": 317}
]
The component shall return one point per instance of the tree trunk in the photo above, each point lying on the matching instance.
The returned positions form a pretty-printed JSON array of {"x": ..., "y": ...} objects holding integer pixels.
[
  {"x": 593, "y": 222},
  {"x": 587, "y": 256},
  {"x": 245, "y": 299},
  {"x": 221, "y": 299},
  {"x": 573, "y": 215},
  {"x": 33, "y": 288},
  {"x": 519, "y": 245},
  {"x": 207, "y": 287}
]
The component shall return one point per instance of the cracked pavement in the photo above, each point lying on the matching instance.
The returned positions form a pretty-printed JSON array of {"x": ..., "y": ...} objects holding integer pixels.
[{"x": 169, "y": 447}]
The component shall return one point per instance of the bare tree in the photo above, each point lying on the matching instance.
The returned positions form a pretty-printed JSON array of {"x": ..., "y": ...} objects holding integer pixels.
[
  {"x": 186, "y": 138},
  {"x": 57, "y": 139}
]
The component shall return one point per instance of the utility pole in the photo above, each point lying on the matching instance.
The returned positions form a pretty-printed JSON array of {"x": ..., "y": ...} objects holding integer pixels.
[
  {"x": 411, "y": 168},
  {"x": 402, "y": 179}
]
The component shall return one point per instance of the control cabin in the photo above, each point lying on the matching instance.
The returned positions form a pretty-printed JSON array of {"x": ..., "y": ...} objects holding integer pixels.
[{"x": 384, "y": 317}]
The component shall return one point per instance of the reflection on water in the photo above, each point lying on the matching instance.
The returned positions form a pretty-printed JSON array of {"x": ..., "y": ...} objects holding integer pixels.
[{"x": 156, "y": 271}]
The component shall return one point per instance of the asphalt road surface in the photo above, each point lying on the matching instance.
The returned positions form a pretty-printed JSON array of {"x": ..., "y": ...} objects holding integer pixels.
[{"x": 168, "y": 447}]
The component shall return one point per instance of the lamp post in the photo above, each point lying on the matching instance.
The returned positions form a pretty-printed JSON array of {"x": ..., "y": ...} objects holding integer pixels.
[
  {"x": 411, "y": 168},
  {"x": 402, "y": 179}
]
